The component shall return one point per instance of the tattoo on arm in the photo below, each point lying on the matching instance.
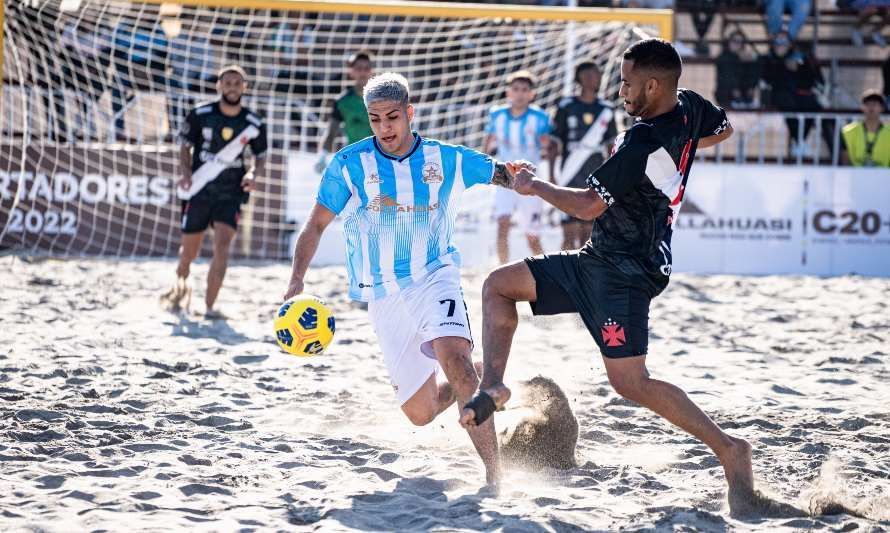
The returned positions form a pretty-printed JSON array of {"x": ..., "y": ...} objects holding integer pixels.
[{"x": 501, "y": 177}]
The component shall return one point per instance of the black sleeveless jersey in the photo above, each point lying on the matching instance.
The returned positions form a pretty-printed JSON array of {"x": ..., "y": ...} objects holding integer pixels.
[
  {"x": 643, "y": 183},
  {"x": 208, "y": 130}
]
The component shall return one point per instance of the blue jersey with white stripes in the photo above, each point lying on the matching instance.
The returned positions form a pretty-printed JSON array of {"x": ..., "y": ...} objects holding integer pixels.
[
  {"x": 518, "y": 137},
  {"x": 399, "y": 212}
]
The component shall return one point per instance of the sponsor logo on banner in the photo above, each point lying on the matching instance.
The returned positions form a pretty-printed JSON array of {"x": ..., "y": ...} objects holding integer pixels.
[{"x": 716, "y": 226}]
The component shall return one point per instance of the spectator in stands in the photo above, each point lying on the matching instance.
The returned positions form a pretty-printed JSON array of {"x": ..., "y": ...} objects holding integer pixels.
[
  {"x": 885, "y": 72},
  {"x": 86, "y": 46},
  {"x": 867, "y": 9},
  {"x": 193, "y": 64},
  {"x": 737, "y": 73},
  {"x": 866, "y": 142},
  {"x": 139, "y": 57},
  {"x": 799, "y": 9},
  {"x": 702, "y": 13},
  {"x": 793, "y": 77},
  {"x": 648, "y": 4}
]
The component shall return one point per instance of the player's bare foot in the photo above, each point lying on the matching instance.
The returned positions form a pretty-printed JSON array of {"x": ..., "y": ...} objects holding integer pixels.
[
  {"x": 213, "y": 314},
  {"x": 736, "y": 461},
  {"x": 179, "y": 297},
  {"x": 483, "y": 404}
]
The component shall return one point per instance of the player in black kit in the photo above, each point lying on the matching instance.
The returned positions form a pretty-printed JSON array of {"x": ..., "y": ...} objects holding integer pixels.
[
  {"x": 585, "y": 127},
  {"x": 633, "y": 199},
  {"x": 223, "y": 150}
]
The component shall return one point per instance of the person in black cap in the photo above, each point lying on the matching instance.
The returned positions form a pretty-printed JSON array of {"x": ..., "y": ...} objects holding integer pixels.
[
  {"x": 867, "y": 142},
  {"x": 223, "y": 150}
]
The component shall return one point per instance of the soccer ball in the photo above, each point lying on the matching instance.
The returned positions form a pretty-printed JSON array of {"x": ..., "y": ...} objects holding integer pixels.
[{"x": 304, "y": 325}]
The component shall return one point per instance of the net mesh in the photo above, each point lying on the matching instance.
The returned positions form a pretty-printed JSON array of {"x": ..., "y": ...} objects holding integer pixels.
[{"x": 95, "y": 92}]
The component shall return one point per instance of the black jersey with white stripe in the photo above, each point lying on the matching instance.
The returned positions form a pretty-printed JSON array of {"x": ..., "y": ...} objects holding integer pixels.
[
  {"x": 208, "y": 130},
  {"x": 644, "y": 180}
]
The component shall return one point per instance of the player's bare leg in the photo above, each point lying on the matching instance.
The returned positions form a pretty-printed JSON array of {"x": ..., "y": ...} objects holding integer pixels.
[
  {"x": 181, "y": 293},
  {"x": 630, "y": 379},
  {"x": 503, "y": 238},
  {"x": 431, "y": 399},
  {"x": 223, "y": 234},
  {"x": 453, "y": 354},
  {"x": 502, "y": 289},
  {"x": 534, "y": 244}
]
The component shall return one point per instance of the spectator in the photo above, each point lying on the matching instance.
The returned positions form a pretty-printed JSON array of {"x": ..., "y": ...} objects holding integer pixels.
[
  {"x": 139, "y": 56},
  {"x": 702, "y": 13},
  {"x": 793, "y": 77},
  {"x": 867, "y": 142},
  {"x": 85, "y": 54},
  {"x": 193, "y": 63},
  {"x": 867, "y": 9},
  {"x": 885, "y": 73},
  {"x": 799, "y": 9},
  {"x": 737, "y": 73}
]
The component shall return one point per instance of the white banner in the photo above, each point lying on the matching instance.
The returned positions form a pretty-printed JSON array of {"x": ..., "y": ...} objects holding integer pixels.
[
  {"x": 770, "y": 219},
  {"x": 736, "y": 219}
]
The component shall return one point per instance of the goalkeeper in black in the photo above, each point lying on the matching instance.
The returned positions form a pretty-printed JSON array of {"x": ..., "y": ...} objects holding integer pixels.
[{"x": 223, "y": 151}]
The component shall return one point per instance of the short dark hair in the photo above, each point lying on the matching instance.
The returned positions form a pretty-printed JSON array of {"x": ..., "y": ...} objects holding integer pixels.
[
  {"x": 358, "y": 56},
  {"x": 582, "y": 66},
  {"x": 522, "y": 75},
  {"x": 656, "y": 55}
]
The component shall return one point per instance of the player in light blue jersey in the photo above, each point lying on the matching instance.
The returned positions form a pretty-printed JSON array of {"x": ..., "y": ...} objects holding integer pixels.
[
  {"x": 399, "y": 196},
  {"x": 518, "y": 131}
]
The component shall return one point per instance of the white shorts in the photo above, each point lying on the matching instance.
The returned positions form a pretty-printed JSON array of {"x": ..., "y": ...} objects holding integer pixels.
[
  {"x": 407, "y": 322},
  {"x": 528, "y": 209}
]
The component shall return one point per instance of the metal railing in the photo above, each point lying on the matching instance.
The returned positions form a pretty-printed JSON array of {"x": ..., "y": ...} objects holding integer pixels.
[{"x": 64, "y": 115}]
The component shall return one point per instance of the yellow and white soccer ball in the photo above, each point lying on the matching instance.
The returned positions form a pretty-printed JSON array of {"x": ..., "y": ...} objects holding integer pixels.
[{"x": 304, "y": 325}]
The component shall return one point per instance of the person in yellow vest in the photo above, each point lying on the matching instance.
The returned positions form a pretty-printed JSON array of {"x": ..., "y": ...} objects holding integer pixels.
[{"x": 867, "y": 142}]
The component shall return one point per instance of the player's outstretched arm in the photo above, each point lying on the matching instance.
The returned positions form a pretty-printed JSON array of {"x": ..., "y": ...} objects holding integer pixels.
[
  {"x": 713, "y": 140},
  {"x": 307, "y": 243},
  {"x": 585, "y": 204}
]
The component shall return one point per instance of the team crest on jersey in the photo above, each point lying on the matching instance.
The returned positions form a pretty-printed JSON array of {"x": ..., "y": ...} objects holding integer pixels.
[
  {"x": 432, "y": 173},
  {"x": 588, "y": 118},
  {"x": 227, "y": 133},
  {"x": 374, "y": 178}
]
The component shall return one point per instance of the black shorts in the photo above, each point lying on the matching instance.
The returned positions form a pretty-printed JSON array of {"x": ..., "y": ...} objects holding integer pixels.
[
  {"x": 202, "y": 211},
  {"x": 612, "y": 302}
]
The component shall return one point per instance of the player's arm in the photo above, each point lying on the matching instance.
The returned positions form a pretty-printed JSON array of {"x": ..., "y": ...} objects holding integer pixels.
[
  {"x": 307, "y": 244},
  {"x": 491, "y": 144},
  {"x": 327, "y": 144},
  {"x": 715, "y": 125},
  {"x": 259, "y": 146},
  {"x": 185, "y": 167},
  {"x": 585, "y": 204},
  {"x": 713, "y": 140},
  {"x": 189, "y": 137}
]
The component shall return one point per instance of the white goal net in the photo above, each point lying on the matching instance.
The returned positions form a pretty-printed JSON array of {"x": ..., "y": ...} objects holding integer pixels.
[{"x": 94, "y": 92}]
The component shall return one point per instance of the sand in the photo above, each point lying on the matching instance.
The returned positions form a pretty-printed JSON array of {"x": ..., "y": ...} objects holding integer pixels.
[{"x": 117, "y": 415}]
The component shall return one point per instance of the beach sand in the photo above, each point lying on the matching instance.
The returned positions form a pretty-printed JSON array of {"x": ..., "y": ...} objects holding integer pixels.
[{"x": 117, "y": 415}]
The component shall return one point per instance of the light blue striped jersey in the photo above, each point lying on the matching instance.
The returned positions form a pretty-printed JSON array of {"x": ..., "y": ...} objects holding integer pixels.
[
  {"x": 399, "y": 213},
  {"x": 518, "y": 137}
]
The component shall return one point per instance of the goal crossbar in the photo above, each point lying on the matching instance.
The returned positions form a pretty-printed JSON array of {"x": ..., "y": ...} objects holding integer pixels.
[{"x": 661, "y": 18}]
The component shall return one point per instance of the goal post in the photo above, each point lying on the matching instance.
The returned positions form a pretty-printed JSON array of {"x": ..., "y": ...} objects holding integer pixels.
[{"x": 95, "y": 92}]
